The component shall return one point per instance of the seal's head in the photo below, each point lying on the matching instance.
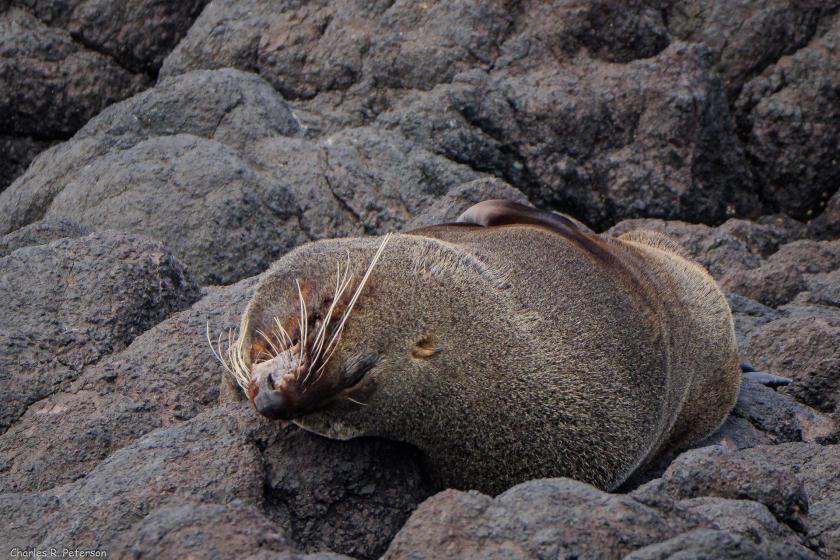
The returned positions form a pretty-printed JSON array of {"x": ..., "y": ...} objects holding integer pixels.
[{"x": 370, "y": 336}]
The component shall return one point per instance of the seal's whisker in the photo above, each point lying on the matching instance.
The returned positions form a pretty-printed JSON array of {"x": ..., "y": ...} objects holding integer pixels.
[
  {"x": 341, "y": 283},
  {"x": 358, "y": 291},
  {"x": 227, "y": 358},
  {"x": 234, "y": 353},
  {"x": 355, "y": 401},
  {"x": 218, "y": 354},
  {"x": 303, "y": 322},
  {"x": 270, "y": 342}
]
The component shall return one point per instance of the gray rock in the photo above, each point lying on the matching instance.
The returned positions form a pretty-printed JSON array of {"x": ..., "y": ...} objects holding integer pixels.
[
  {"x": 733, "y": 246},
  {"x": 350, "y": 497},
  {"x": 790, "y": 121},
  {"x": 798, "y": 482},
  {"x": 807, "y": 350},
  {"x": 745, "y": 518},
  {"x": 783, "y": 275},
  {"x": 779, "y": 417},
  {"x": 165, "y": 375},
  {"x": 211, "y": 460},
  {"x": 548, "y": 518},
  {"x": 67, "y": 304},
  {"x": 249, "y": 185},
  {"x": 749, "y": 315},
  {"x": 543, "y": 132},
  {"x": 227, "y": 482},
  {"x": 63, "y": 62},
  {"x": 557, "y": 99},
  {"x": 745, "y": 474},
  {"x": 710, "y": 544},
  {"x": 746, "y": 37},
  {"x": 18, "y": 152},
  {"x": 41, "y": 233}
]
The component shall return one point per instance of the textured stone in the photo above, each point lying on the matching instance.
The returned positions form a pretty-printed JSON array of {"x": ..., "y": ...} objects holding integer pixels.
[{"x": 67, "y": 304}]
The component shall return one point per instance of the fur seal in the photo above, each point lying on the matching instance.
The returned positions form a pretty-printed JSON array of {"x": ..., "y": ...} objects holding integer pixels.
[{"x": 511, "y": 345}]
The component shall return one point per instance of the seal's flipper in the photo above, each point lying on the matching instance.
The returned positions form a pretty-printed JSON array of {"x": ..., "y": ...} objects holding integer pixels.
[
  {"x": 767, "y": 379},
  {"x": 500, "y": 212}
]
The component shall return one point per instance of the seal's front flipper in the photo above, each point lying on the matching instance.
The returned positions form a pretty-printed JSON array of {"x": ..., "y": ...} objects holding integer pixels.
[{"x": 767, "y": 379}]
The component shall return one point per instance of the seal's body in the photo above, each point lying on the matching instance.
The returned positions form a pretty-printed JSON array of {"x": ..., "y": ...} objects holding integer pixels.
[{"x": 516, "y": 345}]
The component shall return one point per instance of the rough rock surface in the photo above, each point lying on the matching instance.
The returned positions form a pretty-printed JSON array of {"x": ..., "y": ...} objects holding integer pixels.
[
  {"x": 68, "y": 303},
  {"x": 61, "y": 63},
  {"x": 250, "y": 186}
]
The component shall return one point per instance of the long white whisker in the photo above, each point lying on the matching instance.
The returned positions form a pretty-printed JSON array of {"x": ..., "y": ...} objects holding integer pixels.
[
  {"x": 340, "y": 285},
  {"x": 304, "y": 326},
  {"x": 216, "y": 354},
  {"x": 355, "y": 298},
  {"x": 355, "y": 401}
]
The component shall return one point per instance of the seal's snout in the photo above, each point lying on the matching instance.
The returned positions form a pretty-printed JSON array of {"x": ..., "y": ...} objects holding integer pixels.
[
  {"x": 272, "y": 404},
  {"x": 273, "y": 387}
]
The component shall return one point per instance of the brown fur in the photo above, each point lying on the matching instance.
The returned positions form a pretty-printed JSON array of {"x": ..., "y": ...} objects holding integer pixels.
[{"x": 511, "y": 352}]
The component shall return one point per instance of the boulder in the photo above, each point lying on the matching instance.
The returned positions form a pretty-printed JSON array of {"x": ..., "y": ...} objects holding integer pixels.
[
  {"x": 785, "y": 273},
  {"x": 63, "y": 62},
  {"x": 584, "y": 107},
  {"x": 250, "y": 185},
  {"x": 69, "y": 303},
  {"x": 41, "y": 233},
  {"x": 548, "y": 518},
  {"x": 807, "y": 350},
  {"x": 706, "y": 543},
  {"x": 789, "y": 119}
]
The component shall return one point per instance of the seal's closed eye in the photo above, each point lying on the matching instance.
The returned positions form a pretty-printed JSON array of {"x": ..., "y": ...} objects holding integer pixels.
[{"x": 354, "y": 369}]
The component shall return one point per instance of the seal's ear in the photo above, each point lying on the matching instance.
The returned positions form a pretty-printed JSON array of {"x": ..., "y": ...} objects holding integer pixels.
[{"x": 505, "y": 212}]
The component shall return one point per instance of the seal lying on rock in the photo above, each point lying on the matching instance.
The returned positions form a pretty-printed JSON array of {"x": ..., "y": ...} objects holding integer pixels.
[{"x": 512, "y": 345}]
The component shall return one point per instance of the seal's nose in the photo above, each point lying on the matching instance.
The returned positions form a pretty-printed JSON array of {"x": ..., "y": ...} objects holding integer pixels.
[
  {"x": 271, "y": 403},
  {"x": 272, "y": 387}
]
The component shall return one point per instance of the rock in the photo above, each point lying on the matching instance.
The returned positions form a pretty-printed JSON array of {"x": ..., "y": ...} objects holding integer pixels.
[
  {"x": 798, "y": 482},
  {"x": 827, "y": 224},
  {"x": 746, "y": 37},
  {"x": 310, "y": 51},
  {"x": 211, "y": 460},
  {"x": 816, "y": 466},
  {"x": 193, "y": 529},
  {"x": 18, "y": 152},
  {"x": 226, "y": 481},
  {"x": 52, "y": 85},
  {"x": 69, "y": 303},
  {"x": 548, "y": 518},
  {"x": 560, "y": 100},
  {"x": 167, "y": 374},
  {"x": 350, "y": 497},
  {"x": 781, "y": 418},
  {"x": 745, "y": 518},
  {"x": 746, "y": 474},
  {"x": 789, "y": 119},
  {"x": 706, "y": 543},
  {"x": 805, "y": 349},
  {"x": 749, "y": 315},
  {"x": 63, "y": 62},
  {"x": 250, "y": 187},
  {"x": 540, "y": 131},
  {"x": 784, "y": 274},
  {"x": 733, "y": 246},
  {"x": 41, "y": 233}
]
